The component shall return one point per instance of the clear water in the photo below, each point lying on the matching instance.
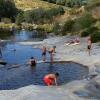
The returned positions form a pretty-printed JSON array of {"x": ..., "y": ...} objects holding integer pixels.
[
  {"x": 24, "y": 75},
  {"x": 28, "y": 35},
  {"x": 21, "y": 55}
]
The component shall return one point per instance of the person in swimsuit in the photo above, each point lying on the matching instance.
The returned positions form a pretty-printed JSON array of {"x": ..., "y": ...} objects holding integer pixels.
[
  {"x": 44, "y": 53},
  {"x": 32, "y": 61},
  {"x": 51, "y": 79},
  {"x": 89, "y": 44},
  {"x": 51, "y": 52}
]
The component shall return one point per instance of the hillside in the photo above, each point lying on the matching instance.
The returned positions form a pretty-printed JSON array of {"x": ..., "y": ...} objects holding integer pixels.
[{"x": 29, "y": 4}]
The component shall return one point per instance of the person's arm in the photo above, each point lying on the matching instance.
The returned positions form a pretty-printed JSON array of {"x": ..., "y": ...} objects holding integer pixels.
[
  {"x": 56, "y": 82},
  {"x": 29, "y": 62}
]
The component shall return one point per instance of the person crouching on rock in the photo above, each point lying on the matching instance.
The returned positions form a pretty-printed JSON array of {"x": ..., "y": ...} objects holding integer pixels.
[{"x": 51, "y": 79}]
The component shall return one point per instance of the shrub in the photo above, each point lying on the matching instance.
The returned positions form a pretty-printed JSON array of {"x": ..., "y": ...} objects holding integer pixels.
[
  {"x": 68, "y": 26},
  {"x": 6, "y": 20},
  {"x": 45, "y": 27},
  {"x": 20, "y": 18},
  {"x": 4, "y": 33},
  {"x": 88, "y": 31},
  {"x": 86, "y": 20},
  {"x": 56, "y": 28},
  {"x": 96, "y": 37}
]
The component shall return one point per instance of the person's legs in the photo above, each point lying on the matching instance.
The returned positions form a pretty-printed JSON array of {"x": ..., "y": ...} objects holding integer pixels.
[
  {"x": 51, "y": 57},
  {"x": 89, "y": 49},
  {"x": 44, "y": 56}
]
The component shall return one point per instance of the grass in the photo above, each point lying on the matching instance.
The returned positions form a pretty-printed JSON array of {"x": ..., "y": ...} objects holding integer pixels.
[{"x": 30, "y": 4}]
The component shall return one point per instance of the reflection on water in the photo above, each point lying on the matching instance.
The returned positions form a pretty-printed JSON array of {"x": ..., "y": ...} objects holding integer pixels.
[
  {"x": 14, "y": 53},
  {"x": 27, "y": 35},
  {"x": 23, "y": 35}
]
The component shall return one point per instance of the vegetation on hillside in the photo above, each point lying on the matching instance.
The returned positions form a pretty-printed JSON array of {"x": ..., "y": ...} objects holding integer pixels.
[
  {"x": 7, "y": 9},
  {"x": 68, "y": 3},
  {"x": 59, "y": 19},
  {"x": 30, "y": 4}
]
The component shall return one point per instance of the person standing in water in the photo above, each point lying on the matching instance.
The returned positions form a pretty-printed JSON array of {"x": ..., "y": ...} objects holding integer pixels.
[
  {"x": 44, "y": 53},
  {"x": 51, "y": 79},
  {"x": 32, "y": 62},
  {"x": 54, "y": 47},
  {"x": 51, "y": 51},
  {"x": 89, "y": 44}
]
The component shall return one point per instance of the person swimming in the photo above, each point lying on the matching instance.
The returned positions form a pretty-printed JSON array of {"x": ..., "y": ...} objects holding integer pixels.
[
  {"x": 51, "y": 79},
  {"x": 32, "y": 61}
]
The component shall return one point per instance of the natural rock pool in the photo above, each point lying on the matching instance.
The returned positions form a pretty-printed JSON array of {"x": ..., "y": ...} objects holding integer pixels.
[{"x": 24, "y": 75}]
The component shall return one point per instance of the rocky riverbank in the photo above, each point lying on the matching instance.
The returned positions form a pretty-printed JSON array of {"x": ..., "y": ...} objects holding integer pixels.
[{"x": 86, "y": 89}]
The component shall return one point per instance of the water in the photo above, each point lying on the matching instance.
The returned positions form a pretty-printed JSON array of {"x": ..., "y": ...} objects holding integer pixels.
[
  {"x": 14, "y": 53},
  {"x": 23, "y": 35},
  {"x": 24, "y": 75},
  {"x": 21, "y": 55}
]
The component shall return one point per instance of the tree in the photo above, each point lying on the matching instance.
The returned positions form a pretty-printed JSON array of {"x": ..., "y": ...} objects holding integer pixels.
[{"x": 7, "y": 9}]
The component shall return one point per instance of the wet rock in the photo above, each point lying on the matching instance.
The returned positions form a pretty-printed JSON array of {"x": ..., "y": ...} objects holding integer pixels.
[
  {"x": 94, "y": 87},
  {"x": 97, "y": 69}
]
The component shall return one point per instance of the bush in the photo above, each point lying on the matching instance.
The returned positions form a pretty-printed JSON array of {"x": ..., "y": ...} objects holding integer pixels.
[
  {"x": 86, "y": 20},
  {"x": 41, "y": 15},
  {"x": 96, "y": 37},
  {"x": 56, "y": 28},
  {"x": 4, "y": 33},
  {"x": 88, "y": 31},
  {"x": 6, "y": 20},
  {"x": 68, "y": 26},
  {"x": 20, "y": 18},
  {"x": 45, "y": 27}
]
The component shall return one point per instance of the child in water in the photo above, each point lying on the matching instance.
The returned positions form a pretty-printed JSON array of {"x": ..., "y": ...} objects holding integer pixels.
[{"x": 32, "y": 61}]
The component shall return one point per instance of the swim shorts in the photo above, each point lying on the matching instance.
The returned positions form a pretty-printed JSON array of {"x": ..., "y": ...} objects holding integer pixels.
[
  {"x": 48, "y": 81},
  {"x": 89, "y": 47},
  {"x": 44, "y": 53}
]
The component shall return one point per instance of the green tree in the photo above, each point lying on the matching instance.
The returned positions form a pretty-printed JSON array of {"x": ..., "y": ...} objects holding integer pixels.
[{"x": 7, "y": 9}]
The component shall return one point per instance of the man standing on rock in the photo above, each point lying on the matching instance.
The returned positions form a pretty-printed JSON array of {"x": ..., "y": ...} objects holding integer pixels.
[{"x": 89, "y": 44}]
